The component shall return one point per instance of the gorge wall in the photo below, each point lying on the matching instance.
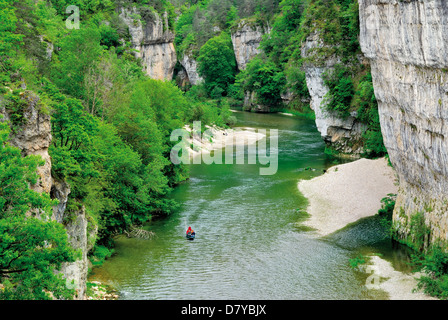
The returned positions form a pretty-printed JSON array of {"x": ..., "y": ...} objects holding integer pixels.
[
  {"x": 33, "y": 137},
  {"x": 153, "y": 41},
  {"x": 407, "y": 44},
  {"x": 190, "y": 66},
  {"x": 246, "y": 39},
  {"x": 344, "y": 135}
]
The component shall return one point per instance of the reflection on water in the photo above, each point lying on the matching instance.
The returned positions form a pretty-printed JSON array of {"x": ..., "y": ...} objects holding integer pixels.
[{"x": 248, "y": 243}]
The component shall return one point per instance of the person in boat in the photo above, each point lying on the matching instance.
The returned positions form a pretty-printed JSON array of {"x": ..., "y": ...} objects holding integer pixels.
[{"x": 190, "y": 231}]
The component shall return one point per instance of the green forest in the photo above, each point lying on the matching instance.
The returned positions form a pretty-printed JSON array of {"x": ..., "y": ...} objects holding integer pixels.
[{"x": 111, "y": 123}]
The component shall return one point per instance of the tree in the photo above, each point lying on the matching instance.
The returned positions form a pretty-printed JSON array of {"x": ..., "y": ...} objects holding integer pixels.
[
  {"x": 265, "y": 79},
  {"x": 98, "y": 83},
  {"x": 284, "y": 38},
  {"x": 341, "y": 90},
  {"x": 31, "y": 245},
  {"x": 217, "y": 63},
  {"x": 80, "y": 51},
  {"x": 9, "y": 40},
  {"x": 86, "y": 6}
]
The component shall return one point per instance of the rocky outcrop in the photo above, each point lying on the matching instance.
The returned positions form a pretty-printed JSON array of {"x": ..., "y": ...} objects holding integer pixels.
[
  {"x": 251, "y": 104},
  {"x": 49, "y": 47},
  {"x": 190, "y": 66},
  {"x": 246, "y": 38},
  {"x": 181, "y": 78},
  {"x": 153, "y": 41},
  {"x": 407, "y": 44},
  {"x": 344, "y": 135},
  {"x": 287, "y": 96},
  {"x": 80, "y": 237},
  {"x": 33, "y": 137}
]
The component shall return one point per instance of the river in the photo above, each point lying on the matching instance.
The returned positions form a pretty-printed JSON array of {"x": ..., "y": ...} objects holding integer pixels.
[{"x": 250, "y": 243}]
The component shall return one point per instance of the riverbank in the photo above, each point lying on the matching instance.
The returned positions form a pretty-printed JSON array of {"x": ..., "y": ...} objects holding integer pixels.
[
  {"x": 234, "y": 199},
  {"x": 347, "y": 193},
  {"x": 398, "y": 285},
  {"x": 215, "y": 138}
]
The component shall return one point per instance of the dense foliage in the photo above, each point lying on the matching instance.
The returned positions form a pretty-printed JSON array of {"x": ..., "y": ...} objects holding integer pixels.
[
  {"x": 434, "y": 266},
  {"x": 31, "y": 246},
  {"x": 217, "y": 64},
  {"x": 110, "y": 125},
  {"x": 201, "y": 20},
  {"x": 431, "y": 260},
  {"x": 265, "y": 79}
]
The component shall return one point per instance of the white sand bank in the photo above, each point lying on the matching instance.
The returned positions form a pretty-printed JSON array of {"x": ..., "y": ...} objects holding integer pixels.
[
  {"x": 287, "y": 114},
  {"x": 398, "y": 285},
  {"x": 215, "y": 138},
  {"x": 347, "y": 193}
]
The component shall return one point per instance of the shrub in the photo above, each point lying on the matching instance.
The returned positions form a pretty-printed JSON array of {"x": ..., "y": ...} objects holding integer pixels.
[
  {"x": 434, "y": 264},
  {"x": 217, "y": 64},
  {"x": 100, "y": 254},
  {"x": 265, "y": 79},
  {"x": 341, "y": 90}
]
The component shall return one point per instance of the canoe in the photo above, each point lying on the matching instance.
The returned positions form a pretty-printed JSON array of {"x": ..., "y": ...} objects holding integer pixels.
[{"x": 191, "y": 236}]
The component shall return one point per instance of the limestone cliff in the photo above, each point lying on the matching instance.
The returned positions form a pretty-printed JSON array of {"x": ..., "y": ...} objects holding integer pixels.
[
  {"x": 251, "y": 104},
  {"x": 246, "y": 38},
  {"x": 153, "y": 41},
  {"x": 81, "y": 234},
  {"x": 33, "y": 137},
  {"x": 342, "y": 134},
  {"x": 407, "y": 44},
  {"x": 190, "y": 66}
]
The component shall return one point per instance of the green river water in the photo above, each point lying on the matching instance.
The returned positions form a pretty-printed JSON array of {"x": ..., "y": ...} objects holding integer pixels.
[{"x": 250, "y": 243}]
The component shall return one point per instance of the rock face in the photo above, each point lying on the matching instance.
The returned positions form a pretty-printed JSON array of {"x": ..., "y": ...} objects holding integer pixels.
[
  {"x": 250, "y": 103},
  {"x": 407, "y": 44},
  {"x": 153, "y": 40},
  {"x": 33, "y": 137},
  {"x": 246, "y": 40},
  {"x": 342, "y": 134},
  {"x": 191, "y": 68},
  {"x": 80, "y": 238}
]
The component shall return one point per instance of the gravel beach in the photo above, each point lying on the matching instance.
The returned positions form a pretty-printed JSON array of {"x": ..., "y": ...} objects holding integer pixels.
[{"x": 347, "y": 193}]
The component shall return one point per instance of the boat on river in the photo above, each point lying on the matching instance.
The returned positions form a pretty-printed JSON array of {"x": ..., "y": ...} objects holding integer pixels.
[{"x": 191, "y": 236}]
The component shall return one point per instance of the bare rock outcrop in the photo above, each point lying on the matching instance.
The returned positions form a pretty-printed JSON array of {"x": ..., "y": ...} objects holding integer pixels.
[
  {"x": 407, "y": 44},
  {"x": 153, "y": 40},
  {"x": 33, "y": 137},
  {"x": 246, "y": 39},
  {"x": 342, "y": 134},
  {"x": 190, "y": 66}
]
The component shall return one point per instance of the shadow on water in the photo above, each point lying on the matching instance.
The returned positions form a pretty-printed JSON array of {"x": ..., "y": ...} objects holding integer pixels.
[{"x": 368, "y": 236}]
